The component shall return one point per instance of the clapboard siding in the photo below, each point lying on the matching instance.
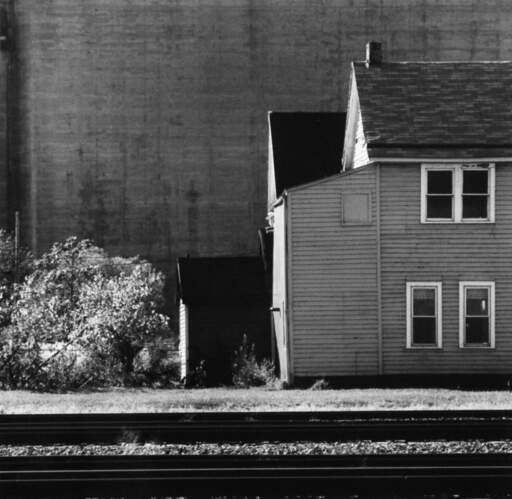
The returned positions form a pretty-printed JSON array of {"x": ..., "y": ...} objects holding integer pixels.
[
  {"x": 333, "y": 293},
  {"x": 279, "y": 289},
  {"x": 360, "y": 150},
  {"x": 448, "y": 253},
  {"x": 183, "y": 348}
]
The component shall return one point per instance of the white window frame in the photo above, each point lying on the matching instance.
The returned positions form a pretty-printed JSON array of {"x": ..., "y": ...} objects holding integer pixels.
[
  {"x": 410, "y": 286},
  {"x": 457, "y": 181},
  {"x": 463, "y": 286}
]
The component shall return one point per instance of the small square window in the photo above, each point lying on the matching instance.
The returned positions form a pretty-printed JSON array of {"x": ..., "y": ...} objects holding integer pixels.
[
  {"x": 355, "y": 209},
  {"x": 424, "y": 315}
]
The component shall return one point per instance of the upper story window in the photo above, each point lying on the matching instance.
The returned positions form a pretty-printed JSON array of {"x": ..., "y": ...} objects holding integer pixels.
[{"x": 457, "y": 193}]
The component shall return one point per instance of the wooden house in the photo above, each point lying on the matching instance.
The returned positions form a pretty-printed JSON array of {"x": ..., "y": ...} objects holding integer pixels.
[
  {"x": 400, "y": 263},
  {"x": 220, "y": 299}
]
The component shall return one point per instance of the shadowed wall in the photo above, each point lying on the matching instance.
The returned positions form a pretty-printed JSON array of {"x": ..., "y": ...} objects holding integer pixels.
[{"x": 142, "y": 123}]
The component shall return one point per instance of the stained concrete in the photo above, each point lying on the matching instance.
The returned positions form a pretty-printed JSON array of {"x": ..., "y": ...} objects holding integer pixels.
[{"x": 142, "y": 123}]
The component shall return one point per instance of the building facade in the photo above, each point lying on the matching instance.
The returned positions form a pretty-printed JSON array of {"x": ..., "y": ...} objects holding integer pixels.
[{"x": 399, "y": 264}]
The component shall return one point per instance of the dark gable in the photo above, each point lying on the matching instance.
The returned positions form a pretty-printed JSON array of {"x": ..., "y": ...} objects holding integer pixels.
[{"x": 307, "y": 147}]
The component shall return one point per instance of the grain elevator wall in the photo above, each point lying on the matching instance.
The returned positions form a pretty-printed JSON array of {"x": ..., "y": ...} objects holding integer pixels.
[{"x": 142, "y": 123}]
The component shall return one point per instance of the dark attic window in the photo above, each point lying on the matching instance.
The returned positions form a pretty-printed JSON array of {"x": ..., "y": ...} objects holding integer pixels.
[
  {"x": 475, "y": 193},
  {"x": 440, "y": 194}
]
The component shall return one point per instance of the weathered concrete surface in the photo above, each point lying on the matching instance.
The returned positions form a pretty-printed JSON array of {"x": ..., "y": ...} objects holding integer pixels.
[
  {"x": 142, "y": 123},
  {"x": 4, "y": 165}
]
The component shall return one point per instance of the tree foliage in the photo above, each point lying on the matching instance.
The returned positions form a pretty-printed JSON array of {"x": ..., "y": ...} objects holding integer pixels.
[{"x": 79, "y": 318}]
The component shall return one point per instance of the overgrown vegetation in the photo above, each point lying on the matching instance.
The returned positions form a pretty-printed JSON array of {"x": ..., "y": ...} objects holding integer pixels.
[
  {"x": 248, "y": 371},
  {"x": 78, "y": 318}
]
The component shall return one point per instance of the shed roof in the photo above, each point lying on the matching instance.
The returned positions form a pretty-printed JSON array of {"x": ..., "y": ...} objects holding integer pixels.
[
  {"x": 306, "y": 146},
  {"x": 221, "y": 280},
  {"x": 448, "y": 105}
]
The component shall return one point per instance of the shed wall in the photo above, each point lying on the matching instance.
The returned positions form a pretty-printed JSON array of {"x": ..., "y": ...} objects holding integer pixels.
[
  {"x": 442, "y": 252},
  {"x": 333, "y": 289},
  {"x": 215, "y": 331}
]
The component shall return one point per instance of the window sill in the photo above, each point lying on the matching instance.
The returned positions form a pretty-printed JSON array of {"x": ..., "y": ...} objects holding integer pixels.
[
  {"x": 462, "y": 222},
  {"x": 426, "y": 347},
  {"x": 477, "y": 347}
]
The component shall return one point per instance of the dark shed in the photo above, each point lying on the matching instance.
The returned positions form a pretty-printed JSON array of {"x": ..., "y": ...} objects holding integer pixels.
[{"x": 220, "y": 300}]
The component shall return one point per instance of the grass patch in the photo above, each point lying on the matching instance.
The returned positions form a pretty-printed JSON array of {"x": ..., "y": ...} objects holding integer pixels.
[{"x": 254, "y": 399}]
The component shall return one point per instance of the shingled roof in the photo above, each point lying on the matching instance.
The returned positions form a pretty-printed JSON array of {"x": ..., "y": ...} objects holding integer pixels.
[
  {"x": 413, "y": 107},
  {"x": 306, "y": 146},
  {"x": 227, "y": 280}
]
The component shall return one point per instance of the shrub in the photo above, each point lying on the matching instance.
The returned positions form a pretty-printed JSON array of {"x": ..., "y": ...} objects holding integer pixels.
[
  {"x": 120, "y": 315},
  {"x": 157, "y": 364},
  {"x": 198, "y": 377},
  {"x": 80, "y": 318},
  {"x": 320, "y": 384},
  {"x": 247, "y": 371},
  {"x": 12, "y": 269}
]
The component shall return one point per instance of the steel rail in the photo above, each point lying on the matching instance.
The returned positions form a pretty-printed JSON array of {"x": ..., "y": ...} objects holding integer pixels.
[
  {"x": 142, "y": 476},
  {"x": 190, "y": 427}
]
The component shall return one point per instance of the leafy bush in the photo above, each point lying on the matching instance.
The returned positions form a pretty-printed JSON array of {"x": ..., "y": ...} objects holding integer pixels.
[
  {"x": 80, "y": 318},
  {"x": 320, "y": 384},
  {"x": 247, "y": 371},
  {"x": 12, "y": 269},
  {"x": 198, "y": 377}
]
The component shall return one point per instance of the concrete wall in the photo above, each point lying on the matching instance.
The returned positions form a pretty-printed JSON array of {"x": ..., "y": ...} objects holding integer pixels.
[
  {"x": 142, "y": 123},
  {"x": 4, "y": 97}
]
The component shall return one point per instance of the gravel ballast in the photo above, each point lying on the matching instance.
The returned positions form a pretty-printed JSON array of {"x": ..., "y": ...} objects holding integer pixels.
[{"x": 265, "y": 448}]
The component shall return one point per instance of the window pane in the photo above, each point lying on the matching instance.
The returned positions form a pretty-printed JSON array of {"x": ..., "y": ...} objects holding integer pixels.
[
  {"x": 477, "y": 302},
  {"x": 474, "y": 182},
  {"x": 477, "y": 330},
  {"x": 424, "y": 302},
  {"x": 439, "y": 182},
  {"x": 474, "y": 207},
  {"x": 424, "y": 331},
  {"x": 439, "y": 207}
]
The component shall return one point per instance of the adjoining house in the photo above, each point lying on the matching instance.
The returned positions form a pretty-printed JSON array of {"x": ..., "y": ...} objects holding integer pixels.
[
  {"x": 400, "y": 263},
  {"x": 221, "y": 299}
]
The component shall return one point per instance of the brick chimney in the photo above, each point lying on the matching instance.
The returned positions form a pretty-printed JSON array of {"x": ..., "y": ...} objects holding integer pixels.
[{"x": 373, "y": 54}]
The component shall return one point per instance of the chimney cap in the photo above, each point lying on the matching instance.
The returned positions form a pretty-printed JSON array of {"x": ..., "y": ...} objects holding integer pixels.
[{"x": 373, "y": 54}]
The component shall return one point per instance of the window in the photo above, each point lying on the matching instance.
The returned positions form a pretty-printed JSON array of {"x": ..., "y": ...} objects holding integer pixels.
[
  {"x": 440, "y": 194},
  {"x": 457, "y": 193},
  {"x": 424, "y": 319},
  {"x": 476, "y": 314},
  {"x": 355, "y": 209}
]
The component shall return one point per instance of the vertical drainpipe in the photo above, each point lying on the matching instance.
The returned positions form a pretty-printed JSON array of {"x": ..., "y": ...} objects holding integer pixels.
[{"x": 379, "y": 271}]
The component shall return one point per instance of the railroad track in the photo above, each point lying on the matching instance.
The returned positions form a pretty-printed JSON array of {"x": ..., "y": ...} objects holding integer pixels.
[
  {"x": 193, "y": 476},
  {"x": 47, "y": 429}
]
